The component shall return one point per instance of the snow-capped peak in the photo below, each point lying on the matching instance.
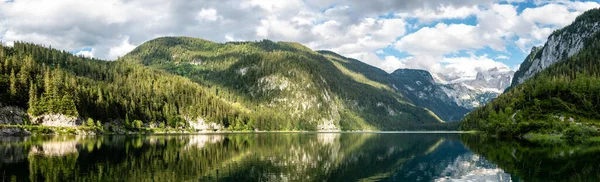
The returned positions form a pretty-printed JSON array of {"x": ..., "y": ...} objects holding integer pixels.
[{"x": 473, "y": 91}]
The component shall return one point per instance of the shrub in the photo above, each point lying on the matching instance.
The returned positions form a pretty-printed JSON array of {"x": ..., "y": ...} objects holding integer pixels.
[
  {"x": 90, "y": 122},
  {"x": 578, "y": 133},
  {"x": 137, "y": 123}
]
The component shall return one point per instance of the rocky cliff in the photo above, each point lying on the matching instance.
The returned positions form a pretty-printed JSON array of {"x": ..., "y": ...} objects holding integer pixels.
[
  {"x": 420, "y": 87},
  {"x": 561, "y": 44}
]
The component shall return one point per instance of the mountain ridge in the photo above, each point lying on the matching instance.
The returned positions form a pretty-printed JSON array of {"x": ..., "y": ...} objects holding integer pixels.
[
  {"x": 349, "y": 73},
  {"x": 234, "y": 114},
  {"x": 561, "y": 44},
  {"x": 560, "y": 100},
  {"x": 420, "y": 87}
]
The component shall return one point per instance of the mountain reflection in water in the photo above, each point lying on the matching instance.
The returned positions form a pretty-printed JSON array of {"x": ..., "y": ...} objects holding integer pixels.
[{"x": 254, "y": 157}]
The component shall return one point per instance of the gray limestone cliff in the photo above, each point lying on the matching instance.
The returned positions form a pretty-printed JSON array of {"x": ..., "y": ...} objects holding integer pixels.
[{"x": 561, "y": 44}]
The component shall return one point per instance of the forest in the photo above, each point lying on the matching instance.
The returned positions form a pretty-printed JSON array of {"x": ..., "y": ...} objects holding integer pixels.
[
  {"x": 51, "y": 81},
  {"x": 562, "y": 100},
  {"x": 163, "y": 84}
]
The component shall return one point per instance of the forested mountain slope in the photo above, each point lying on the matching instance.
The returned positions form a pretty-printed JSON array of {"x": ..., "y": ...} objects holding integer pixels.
[
  {"x": 421, "y": 89},
  {"x": 51, "y": 82},
  {"x": 319, "y": 90},
  {"x": 235, "y": 86},
  {"x": 562, "y": 99}
]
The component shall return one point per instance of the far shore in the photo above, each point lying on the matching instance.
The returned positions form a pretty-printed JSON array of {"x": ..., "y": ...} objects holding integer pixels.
[
  {"x": 266, "y": 132},
  {"x": 37, "y": 130}
]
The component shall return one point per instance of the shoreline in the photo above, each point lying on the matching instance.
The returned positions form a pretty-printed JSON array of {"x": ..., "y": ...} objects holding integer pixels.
[
  {"x": 308, "y": 132},
  {"x": 25, "y": 130}
]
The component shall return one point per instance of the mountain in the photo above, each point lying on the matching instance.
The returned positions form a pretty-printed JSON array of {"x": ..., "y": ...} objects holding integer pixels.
[
  {"x": 56, "y": 88},
  {"x": 323, "y": 88},
  {"x": 471, "y": 93},
  {"x": 420, "y": 87},
  {"x": 561, "y": 98},
  {"x": 192, "y": 83},
  {"x": 450, "y": 100},
  {"x": 493, "y": 80},
  {"x": 561, "y": 44}
]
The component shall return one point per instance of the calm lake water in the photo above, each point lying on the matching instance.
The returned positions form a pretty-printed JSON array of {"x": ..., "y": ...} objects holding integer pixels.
[{"x": 292, "y": 157}]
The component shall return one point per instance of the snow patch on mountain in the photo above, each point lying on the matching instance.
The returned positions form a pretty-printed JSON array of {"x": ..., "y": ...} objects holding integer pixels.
[{"x": 472, "y": 92}]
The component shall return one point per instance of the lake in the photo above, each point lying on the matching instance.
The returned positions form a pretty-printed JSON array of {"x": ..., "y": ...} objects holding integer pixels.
[{"x": 292, "y": 157}]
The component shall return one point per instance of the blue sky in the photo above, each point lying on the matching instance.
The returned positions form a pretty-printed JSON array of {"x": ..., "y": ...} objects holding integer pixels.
[
  {"x": 450, "y": 38},
  {"x": 512, "y": 56}
]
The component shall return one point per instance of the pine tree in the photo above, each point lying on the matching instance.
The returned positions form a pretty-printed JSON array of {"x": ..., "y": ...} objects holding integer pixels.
[
  {"x": 100, "y": 98},
  {"x": 47, "y": 81},
  {"x": 13, "y": 84},
  {"x": 32, "y": 98}
]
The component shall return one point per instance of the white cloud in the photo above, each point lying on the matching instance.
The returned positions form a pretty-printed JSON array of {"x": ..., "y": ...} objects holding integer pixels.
[
  {"x": 468, "y": 66},
  {"x": 273, "y": 27},
  {"x": 9, "y": 44},
  {"x": 229, "y": 38},
  {"x": 550, "y": 14},
  {"x": 516, "y": 67},
  {"x": 353, "y": 28},
  {"x": 121, "y": 49},
  {"x": 444, "y": 39},
  {"x": 391, "y": 63},
  {"x": 72, "y": 24},
  {"x": 86, "y": 53},
  {"x": 497, "y": 27},
  {"x": 209, "y": 14},
  {"x": 502, "y": 57},
  {"x": 581, "y": 6},
  {"x": 450, "y": 67},
  {"x": 362, "y": 38},
  {"x": 441, "y": 12},
  {"x": 275, "y": 6}
]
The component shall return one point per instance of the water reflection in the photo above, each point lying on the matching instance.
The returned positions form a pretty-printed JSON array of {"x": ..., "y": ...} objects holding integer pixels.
[
  {"x": 471, "y": 167},
  {"x": 539, "y": 162},
  {"x": 55, "y": 147},
  {"x": 256, "y": 157}
]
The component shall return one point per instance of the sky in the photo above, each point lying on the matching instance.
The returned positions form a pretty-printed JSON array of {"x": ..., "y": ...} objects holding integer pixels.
[{"x": 452, "y": 38}]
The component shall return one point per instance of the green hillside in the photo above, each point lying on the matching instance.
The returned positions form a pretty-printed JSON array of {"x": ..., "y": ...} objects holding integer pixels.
[
  {"x": 321, "y": 89},
  {"x": 48, "y": 81},
  {"x": 563, "y": 99},
  {"x": 176, "y": 81}
]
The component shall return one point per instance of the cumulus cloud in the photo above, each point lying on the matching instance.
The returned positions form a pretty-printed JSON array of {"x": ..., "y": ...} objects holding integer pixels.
[
  {"x": 469, "y": 66},
  {"x": 441, "y": 12},
  {"x": 354, "y": 28},
  {"x": 121, "y": 49},
  {"x": 209, "y": 14},
  {"x": 444, "y": 39},
  {"x": 502, "y": 57},
  {"x": 450, "y": 67},
  {"x": 89, "y": 53},
  {"x": 73, "y": 24},
  {"x": 498, "y": 26}
]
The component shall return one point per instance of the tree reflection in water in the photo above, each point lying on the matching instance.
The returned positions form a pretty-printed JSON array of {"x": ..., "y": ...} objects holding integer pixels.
[
  {"x": 276, "y": 157},
  {"x": 539, "y": 162}
]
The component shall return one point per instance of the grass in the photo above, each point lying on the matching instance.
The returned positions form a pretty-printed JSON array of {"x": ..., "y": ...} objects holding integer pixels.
[
  {"x": 543, "y": 138},
  {"x": 77, "y": 130},
  {"x": 595, "y": 139},
  {"x": 47, "y": 130},
  {"x": 358, "y": 77},
  {"x": 557, "y": 139}
]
